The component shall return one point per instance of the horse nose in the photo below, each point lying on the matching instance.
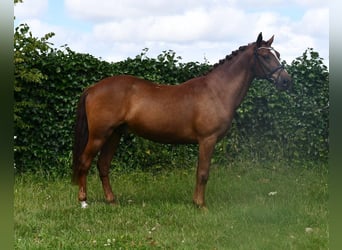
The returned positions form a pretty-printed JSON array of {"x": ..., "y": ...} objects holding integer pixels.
[{"x": 286, "y": 83}]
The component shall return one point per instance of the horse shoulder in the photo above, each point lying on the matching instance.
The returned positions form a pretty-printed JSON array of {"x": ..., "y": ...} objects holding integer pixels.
[{"x": 211, "y": 115}]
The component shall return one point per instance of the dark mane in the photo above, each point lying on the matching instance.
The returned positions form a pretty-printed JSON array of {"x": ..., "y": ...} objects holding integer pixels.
[{"x": 229, "y": 57}]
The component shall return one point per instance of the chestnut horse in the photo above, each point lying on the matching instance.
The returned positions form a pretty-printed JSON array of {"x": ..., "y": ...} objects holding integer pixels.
[{"x": 198, "y": 111}]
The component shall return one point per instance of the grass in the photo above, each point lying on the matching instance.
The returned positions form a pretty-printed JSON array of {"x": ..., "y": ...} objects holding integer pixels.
[{"x": 251, "y": 206}]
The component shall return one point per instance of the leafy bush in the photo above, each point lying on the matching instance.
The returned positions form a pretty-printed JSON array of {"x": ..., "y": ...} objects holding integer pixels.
[
  {"x": 47, "y": 85},
  {"x": 268, "y": 125}
]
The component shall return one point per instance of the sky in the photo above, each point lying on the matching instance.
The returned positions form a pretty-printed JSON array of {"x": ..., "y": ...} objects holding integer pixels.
[{"x": 197, "y": 30}]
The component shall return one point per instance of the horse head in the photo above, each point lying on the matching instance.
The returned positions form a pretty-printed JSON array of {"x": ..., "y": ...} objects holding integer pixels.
[{"x": 267, "y": 64}]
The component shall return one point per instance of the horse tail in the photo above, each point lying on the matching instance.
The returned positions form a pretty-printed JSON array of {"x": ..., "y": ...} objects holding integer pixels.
[{"x": 81, "y": 136}]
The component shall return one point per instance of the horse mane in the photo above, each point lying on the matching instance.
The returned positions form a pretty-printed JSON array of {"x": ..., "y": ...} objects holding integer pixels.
[{"x": 229, "y": 57}]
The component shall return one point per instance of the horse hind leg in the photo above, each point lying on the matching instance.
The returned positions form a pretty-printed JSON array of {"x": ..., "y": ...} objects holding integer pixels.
[
  {"x": 86, "y": 159},
  {"x": 103, "y": 164}
]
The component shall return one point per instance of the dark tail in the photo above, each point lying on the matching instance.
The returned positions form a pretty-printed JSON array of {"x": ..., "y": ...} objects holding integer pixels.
[{"x": 81, "y": 136}]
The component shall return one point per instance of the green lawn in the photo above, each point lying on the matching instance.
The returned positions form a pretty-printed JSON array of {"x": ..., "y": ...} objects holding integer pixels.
[{"x": 251, "y": 206}]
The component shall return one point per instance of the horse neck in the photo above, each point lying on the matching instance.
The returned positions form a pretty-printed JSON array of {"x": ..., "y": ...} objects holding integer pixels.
[{"x": 231, "y": 79}]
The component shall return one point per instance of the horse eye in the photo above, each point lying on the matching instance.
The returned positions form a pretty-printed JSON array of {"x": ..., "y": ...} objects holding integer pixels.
[{"x": 267, "y": 57}]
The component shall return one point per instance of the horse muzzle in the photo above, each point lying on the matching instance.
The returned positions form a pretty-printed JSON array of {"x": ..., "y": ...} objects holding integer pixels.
[{"x": 282, "y": 79}]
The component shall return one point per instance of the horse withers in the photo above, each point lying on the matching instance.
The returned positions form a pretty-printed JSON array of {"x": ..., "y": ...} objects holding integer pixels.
[{"x": 199, "y": 110}]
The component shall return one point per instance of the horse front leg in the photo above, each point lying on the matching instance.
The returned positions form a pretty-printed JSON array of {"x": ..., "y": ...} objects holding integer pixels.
[{"x": 206, "y": 149}]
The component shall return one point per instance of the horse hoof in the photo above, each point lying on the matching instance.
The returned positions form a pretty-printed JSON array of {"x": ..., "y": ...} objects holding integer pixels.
[
  {"x": 112, "y": 203},
  {"x": 84, "y": 204},
  {"x": 204, "y": 209},
  {"x": 201, "y": 206}
]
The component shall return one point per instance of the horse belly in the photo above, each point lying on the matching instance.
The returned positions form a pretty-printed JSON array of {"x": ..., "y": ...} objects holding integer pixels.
[{"x": 162, "y": 126}]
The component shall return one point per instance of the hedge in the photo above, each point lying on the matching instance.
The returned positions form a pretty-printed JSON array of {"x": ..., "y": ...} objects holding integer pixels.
[{"x": 269, "y": 124}]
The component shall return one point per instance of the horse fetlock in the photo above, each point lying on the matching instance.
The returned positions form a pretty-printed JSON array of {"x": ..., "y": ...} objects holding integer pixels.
[{"x": 82, "y": 195}]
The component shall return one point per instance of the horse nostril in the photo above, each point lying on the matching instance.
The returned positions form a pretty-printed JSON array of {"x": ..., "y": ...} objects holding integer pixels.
[
  {"x": 287, "y": 83},
  {"x": 284, "y": 83}
]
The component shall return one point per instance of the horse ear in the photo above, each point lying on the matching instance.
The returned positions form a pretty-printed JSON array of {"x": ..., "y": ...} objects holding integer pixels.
[
  {"x": 259, "y": 40},
  {"x": 269, "y": 42}
]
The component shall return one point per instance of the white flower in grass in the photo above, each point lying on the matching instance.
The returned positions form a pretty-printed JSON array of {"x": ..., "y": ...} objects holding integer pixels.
[{"x": 109, "y": 241}]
